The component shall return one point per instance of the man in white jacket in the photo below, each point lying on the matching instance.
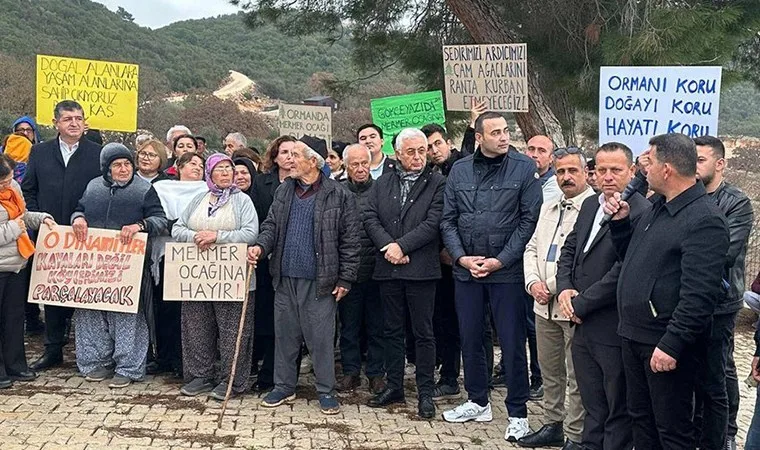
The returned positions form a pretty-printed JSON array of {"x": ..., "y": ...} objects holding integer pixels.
[{"x": 553, "y": 330}]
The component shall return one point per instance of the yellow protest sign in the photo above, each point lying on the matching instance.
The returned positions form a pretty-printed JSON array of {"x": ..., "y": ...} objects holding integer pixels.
[{"x": 106, "y": 90}]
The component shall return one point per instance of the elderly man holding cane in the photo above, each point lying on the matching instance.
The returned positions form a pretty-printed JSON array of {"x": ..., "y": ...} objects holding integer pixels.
[{"x": 312, "y": 235}]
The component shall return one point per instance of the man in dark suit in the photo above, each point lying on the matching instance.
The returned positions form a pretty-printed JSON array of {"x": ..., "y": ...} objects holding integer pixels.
[
  {"x": 586, "y": 281},
  {"x": 56, "y": 177},
  {"x": 669, "y": 284}
]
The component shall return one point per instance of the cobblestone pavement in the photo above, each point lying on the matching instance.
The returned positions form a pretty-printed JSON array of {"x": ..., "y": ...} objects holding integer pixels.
[{"x": 62, "y": 411}]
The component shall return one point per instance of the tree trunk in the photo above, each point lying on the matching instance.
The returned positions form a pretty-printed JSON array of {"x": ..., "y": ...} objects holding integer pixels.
[{"x": 484, "y": 25}]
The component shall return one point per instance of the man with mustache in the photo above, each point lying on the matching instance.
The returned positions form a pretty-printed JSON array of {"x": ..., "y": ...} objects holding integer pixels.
[{"x": 554, "y": 331}]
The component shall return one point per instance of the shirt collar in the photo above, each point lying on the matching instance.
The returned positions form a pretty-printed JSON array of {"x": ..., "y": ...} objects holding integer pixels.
[
  {"x": 684, "y": 198},
  {"x": 66, "y": 147},
  {"x": 577, "y": 201}
]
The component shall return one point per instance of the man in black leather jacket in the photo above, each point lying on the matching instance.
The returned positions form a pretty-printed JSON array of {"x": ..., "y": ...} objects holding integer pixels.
[{"x": 718, "y": 386}]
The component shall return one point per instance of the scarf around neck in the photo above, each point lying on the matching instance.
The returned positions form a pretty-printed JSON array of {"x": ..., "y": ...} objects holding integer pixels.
[
  {"x": 14, "y": 204},
  {"x": 407, "y": 180},
  {"x": 222, "y": 195}
]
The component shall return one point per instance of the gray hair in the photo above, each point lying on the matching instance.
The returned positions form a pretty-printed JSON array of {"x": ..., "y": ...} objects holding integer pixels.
[
  {"x": 142, "y": 139},
  {"x": 409, "y": 133},
  {"x": 174, "y": 129},
  {"x": 309, "y": 152},
  {"x": 239, "y": 138},
  {"x": 352, "y": 147},
  {"x": 580, "y": 156}
]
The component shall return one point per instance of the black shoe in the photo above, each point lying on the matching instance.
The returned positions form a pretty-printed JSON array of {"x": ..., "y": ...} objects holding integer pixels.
[
  {"x": 387, "y": 397},
  {"x": 26, "y": 375},
  {"x": 444, "y": 390},
  {"x": 348, "y": 383},
  {"x": 537, "y": 390},
  {"x": 196, "y": 387},
  {"x": 499, "y": 381},
  {"x": 154, "y": 368},
  {"x": 220, "y": 392},
  {"x": 426, "y": 408},
  {"x": 5, "y": 383},
  {"x": 261, "y": 388},
  {"x": 550, "y": 435},
  {"x": 570, "y": 445},
  {"x": 47, "y": 361}
]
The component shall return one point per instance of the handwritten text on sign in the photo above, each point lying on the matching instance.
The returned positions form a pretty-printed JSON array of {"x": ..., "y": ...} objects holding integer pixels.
[
  {"x": 106, "y": 90},
  {"x": 216, "y": 274},
  {"x": 100, "y": 273},
  {"x": 496, "y": 74},
  {"x": 393, "y": 114},
  {"x": 303, "y": 120},
  {"x": 636, "y": 103}
]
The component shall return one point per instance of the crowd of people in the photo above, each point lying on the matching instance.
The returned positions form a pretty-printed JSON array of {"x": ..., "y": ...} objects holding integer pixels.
[{"x": 611, "y": 284}]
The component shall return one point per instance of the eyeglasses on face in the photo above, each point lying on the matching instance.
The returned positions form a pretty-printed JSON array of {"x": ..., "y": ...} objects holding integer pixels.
[{"x": 146, "y": 155}]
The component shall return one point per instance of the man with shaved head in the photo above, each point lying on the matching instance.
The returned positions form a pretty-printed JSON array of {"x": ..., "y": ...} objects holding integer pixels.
[{"x": 541, "y": 150}]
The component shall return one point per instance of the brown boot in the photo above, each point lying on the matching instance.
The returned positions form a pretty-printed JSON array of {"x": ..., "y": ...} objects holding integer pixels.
[
  {"x": 348, "y": 383},
  {"x": 376, "y": 385}
]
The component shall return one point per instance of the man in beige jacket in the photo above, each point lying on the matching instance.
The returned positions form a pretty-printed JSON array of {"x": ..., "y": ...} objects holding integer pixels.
[{"x": 553, "y": 329}]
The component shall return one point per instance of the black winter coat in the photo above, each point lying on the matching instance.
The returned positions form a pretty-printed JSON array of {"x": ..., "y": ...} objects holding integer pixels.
[
  {"x": 670, "y": 279},
  {"x": 52, "y": 187},
  {"x": 413, "y": 226},
  {"x": 336, "y": 234},
  {"x": 262, "y": 192},
  {"x": 738, "y": 211},
  {"x": 491, "y": 211},
  {"x": 368, "y": 250}
]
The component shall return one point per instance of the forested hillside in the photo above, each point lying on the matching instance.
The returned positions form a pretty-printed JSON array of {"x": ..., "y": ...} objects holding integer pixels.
[{"x": 190, "y": 54}]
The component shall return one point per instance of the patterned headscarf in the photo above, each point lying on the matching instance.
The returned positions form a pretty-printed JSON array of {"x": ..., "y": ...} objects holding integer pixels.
[{"x": 222, "y": 194}]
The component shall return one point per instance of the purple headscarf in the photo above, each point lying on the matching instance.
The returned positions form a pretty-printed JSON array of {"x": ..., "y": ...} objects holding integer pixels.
[{"x": 223, "y": 194}]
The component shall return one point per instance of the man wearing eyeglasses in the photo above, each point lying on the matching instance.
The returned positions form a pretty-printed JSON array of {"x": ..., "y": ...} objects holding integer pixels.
[
  {"x": 405, "y": 207},
  {"x": 586, "y": 281},
  {"x": 362, "y": 309},
  {"x": 554, "y": 330},
  {"x": 28, "y": 127},
  {"x": 56, "y": 177}
]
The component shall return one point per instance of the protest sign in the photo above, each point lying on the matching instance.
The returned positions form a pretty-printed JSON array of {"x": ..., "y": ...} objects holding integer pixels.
[
  {"x": 636, "y": 103},
  {"x": 100, "y": 273},
  {"x": 213, "y": 275},
  {"x": 106, "y": 90},
  {"x": 393, "y": 114},
  {"x": 301, "y": 120},
  {"x": 496, "y": 74}
]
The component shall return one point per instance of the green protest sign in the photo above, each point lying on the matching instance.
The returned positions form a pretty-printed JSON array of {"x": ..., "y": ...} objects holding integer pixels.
[{"x": 393, "y": 114}]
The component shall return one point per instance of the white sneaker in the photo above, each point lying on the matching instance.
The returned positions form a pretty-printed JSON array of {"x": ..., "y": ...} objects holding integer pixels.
[
  {"x": 518, "y": 427},
  {"x": 469, "y": 411}
]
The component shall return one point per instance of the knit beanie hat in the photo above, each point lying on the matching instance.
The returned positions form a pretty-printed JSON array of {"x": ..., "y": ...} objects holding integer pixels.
[
  {"x": 112, "y": 152},
  {"x": 18, "y": 148}
]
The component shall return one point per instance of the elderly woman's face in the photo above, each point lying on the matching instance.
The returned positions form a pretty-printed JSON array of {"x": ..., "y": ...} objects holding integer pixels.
[
  {"x": 222, "y": 175},
  {"x": 183, "y": 146},
  {"x": 242, "y": 177},
  {"x": 121, "y": 170},
  {"x": 192, "y": 171}
]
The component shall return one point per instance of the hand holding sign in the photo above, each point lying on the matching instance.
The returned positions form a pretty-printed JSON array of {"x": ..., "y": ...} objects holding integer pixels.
[
  {"x": 127, "y": 232},
  {"x": 80, "y": 228},
  {"x": 49, "y": 222}
]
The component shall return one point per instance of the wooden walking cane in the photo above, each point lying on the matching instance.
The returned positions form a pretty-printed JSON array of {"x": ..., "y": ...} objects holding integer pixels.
[{"x": 237, "y": 346}]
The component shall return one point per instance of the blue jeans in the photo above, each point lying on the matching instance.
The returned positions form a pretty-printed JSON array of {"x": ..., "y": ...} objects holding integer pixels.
[{"x": 753, "y": 434}]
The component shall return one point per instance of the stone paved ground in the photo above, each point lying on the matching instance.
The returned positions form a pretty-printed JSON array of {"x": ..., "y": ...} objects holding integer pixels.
[{"x": 62, "y": 411}]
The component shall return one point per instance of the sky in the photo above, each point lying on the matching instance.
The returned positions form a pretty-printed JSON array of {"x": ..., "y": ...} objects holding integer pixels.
[{"x": 158, "y": 13}]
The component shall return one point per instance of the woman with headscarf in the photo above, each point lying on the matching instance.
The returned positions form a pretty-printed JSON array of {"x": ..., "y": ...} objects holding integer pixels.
[
  {"x": 278, "y": 160},
  {"x": 223, "y": 215},
  {"x": 164, "y": 323},
  {"x": 15, "y": 249},
  {"x": 182, "y": 144},
  {"x": 151, "y": 161},
  {"x": 115, "y": 343},
  {"x": 245, "y": 174}
]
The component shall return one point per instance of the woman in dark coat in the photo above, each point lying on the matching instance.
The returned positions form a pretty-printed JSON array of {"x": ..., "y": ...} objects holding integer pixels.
[{"x": 278, "y": 162}]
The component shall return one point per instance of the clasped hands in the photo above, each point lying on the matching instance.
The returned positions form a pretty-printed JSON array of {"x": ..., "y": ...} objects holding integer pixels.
[
  {"x": 480, "y": 266},
  {"x": 394, "y": 254}
]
